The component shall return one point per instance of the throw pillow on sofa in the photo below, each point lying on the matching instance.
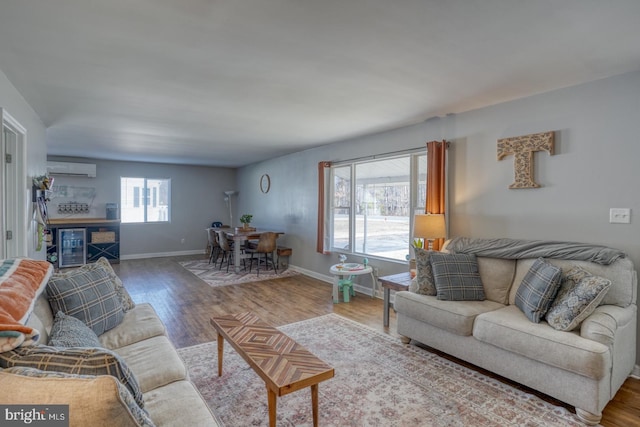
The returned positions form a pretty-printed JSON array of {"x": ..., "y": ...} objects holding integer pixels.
[
  {"x": 82, "y": 361},
  {"x": 121, "y": 291},
  {"x": 67, "y": 331},
  {"x": 457, "y": 277},
  {"x": 579, "y": 295},
  {"x": 87, "y": 294},
  {"x": 538, "y": 289},
  {"x": 424, "y": 283},
  {"x": 97, "y": 390}
]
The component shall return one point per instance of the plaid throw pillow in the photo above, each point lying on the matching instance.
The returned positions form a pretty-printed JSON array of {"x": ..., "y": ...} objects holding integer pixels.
[
  {"x": 81, "y": 361},
  {"x": 538, "y": 289},
  {"x": 457, "y": 277},
  {"x": 88, "y": 295}
]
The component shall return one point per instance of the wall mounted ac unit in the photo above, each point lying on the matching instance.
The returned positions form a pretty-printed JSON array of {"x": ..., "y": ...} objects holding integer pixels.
[{"x": 72, "y": 169}]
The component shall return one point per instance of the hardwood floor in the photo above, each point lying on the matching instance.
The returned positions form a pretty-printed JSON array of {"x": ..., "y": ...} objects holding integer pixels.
[{"x": 185, "y": 304}]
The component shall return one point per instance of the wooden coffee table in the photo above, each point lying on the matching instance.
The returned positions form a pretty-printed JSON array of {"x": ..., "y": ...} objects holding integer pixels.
[{"x": 283, "y": 364}]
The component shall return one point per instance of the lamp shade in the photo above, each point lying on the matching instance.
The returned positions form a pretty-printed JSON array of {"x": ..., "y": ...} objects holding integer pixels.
[{"x": 429, "y": 226}]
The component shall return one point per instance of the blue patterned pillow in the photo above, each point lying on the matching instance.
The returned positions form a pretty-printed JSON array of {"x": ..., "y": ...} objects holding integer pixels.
[
  {"x": 425, "y": 284},
  {"x": 88, "y": 295},
  {"x": 67, "y": 331},
  {"x": 579, "y": 295},
  {"x": 457, "y": 277},
  {"x": 82, "y": 361},
  {"x": 538, "y": 289}
]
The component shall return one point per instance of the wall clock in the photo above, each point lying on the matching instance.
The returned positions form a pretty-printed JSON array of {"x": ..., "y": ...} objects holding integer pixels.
[{"x": 265, "y": 183}]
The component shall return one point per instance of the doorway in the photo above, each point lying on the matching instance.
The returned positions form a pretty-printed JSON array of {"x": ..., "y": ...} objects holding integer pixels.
[{"x": 13, "y": 188}]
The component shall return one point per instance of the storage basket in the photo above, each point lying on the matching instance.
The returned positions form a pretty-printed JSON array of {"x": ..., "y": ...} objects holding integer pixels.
[{"x": 103, "y": 237}]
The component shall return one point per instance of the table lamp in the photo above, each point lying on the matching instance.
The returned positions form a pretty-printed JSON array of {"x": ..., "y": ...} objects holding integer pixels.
[{"x": 429, "y": 227}]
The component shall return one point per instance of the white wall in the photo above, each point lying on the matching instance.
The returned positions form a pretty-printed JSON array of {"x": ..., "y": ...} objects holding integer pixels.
[
  {"x": 14, "y": 104},
  {"x": 196, "y": 201},
  {"x": 594, "y": 168}
]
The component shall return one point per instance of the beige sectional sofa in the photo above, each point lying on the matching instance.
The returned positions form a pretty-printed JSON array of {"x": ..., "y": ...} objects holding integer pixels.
[
  {"x": 584, "y": 367},
  {"x": 140, "y": 340}
]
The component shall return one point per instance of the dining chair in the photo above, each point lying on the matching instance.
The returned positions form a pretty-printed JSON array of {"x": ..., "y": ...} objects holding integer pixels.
[
  {"x": 266, "y": 245},
  {"x": 214, "y": 246},
  {"x": 225, "y": 248}
]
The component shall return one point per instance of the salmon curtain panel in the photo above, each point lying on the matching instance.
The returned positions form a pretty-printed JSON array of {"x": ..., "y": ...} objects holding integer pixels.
[
  {"x": 436, "y": 182},
  {"x": 322, "y": 244}
]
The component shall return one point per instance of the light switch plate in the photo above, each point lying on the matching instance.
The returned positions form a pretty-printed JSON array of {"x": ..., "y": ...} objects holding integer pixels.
[{"x": 620, "y": 216}]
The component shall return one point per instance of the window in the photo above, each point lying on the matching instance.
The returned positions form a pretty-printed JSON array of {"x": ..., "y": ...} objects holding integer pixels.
[
  {"x": 373, "y": 202},
  {"x": 145, "y": 200}
]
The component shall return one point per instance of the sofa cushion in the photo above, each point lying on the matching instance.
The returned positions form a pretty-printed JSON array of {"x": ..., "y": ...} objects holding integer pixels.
[
  {"x": 138, "y": 324},
  {"x": 167, "y": 404},
  {"x": 424, "y": 276},
  {"x": 90, "y": 398},
  {"x": 457, "y": 277},
  {"x": 456, "y": 317},
  {"x": 538, "y": 289},
  {"x": 579, "y": 295},
  {"x": 83, "y": 361},
  {"x": 497, "y": 276},
  {"x": 154, "y": 362},
  {"x": 87, "y": 294},
  {"x": 67, "y": 331},
  {"x": 509, "y": 329}
]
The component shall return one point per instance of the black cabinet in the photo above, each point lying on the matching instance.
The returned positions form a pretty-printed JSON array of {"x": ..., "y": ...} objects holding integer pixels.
[{"x": 102, "y": 239}]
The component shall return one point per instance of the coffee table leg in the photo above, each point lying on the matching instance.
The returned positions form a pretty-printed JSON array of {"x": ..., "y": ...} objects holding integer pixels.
[
  {"x": 220, "y": 352},
  {"x": 272, "y": 407},
  {"x": 314, "y": 404}
]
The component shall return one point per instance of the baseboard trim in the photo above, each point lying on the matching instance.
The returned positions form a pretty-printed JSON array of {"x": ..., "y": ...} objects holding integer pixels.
[
  {"x": 162, "y": 254},
  {"x": 636, "y": 372}
]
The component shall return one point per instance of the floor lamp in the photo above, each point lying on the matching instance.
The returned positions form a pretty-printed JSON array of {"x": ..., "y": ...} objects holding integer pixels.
[
  {"x": 227, "y": 199},
  {"x": 429, "y": 227}
]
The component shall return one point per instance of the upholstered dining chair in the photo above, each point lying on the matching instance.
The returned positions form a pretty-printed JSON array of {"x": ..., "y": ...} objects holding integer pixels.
[
  {"x": 225, "y": 248},
  {"x": 214, "y": 246},
  {"x": 266, "y": 245}
]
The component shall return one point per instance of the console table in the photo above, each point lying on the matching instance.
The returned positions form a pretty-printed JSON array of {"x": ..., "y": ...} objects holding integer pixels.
[{"x": 397, "y": 282}]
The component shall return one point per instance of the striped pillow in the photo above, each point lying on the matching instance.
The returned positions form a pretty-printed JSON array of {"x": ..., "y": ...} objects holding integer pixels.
[
  {"x": 457, "y": 277},
  {"x": 81, "y": 361},
  {"x": 88, "y": 295}
]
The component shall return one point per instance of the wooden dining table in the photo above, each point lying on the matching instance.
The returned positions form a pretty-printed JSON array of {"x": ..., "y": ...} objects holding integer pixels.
[{"x": 238, "y": 235}]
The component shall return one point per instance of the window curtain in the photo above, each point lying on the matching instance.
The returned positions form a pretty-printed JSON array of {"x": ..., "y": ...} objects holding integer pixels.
[
  {"x": 436, "y": 181},
  {"x": 322, "y": 239}
]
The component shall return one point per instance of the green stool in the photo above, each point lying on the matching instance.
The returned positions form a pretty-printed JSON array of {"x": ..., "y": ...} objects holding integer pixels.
[{"x": 346, "y": 286}]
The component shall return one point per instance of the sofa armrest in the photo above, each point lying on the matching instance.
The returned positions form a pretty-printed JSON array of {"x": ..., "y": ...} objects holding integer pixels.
[{"x": 603, "y": 324}]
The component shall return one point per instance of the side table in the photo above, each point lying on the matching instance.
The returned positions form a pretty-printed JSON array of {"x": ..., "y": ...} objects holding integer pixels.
[
  {"x": 349, "y": 269},
  {"x": 397, "y": 282}
]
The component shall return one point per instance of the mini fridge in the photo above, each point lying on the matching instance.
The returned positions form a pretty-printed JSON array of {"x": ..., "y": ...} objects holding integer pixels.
[{"x": 72, "y": 247}]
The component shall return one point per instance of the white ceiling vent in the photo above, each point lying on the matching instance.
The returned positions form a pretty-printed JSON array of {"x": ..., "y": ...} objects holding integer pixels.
[{"x": 72, "y": 169}]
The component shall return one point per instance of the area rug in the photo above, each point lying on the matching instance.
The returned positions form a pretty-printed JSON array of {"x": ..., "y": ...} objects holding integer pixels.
[
  {"x": 378, "y": 382},
  {"x": 215, "y": 277}
]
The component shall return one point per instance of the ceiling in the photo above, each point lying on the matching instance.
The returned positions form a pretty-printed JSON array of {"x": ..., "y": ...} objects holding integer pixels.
[{"x": 232, "y": 82}]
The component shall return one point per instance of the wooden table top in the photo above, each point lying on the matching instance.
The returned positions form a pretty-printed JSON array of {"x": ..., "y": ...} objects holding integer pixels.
[
  {"x": 397, "y": 282},
  {"x": 283, "y": 364}
]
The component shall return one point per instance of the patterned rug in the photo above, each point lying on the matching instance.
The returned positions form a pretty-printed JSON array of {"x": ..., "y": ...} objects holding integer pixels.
[
  {"x": 214, "y": 277},
  {"x": 378, "y": 382}
]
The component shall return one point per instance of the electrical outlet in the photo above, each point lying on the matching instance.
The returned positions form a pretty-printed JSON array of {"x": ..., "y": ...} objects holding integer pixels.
[{"x": 619, "y": 216}]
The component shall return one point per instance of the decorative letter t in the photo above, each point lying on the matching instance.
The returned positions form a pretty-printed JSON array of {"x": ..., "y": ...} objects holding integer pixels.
[{"x": 522, "y": 147}]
